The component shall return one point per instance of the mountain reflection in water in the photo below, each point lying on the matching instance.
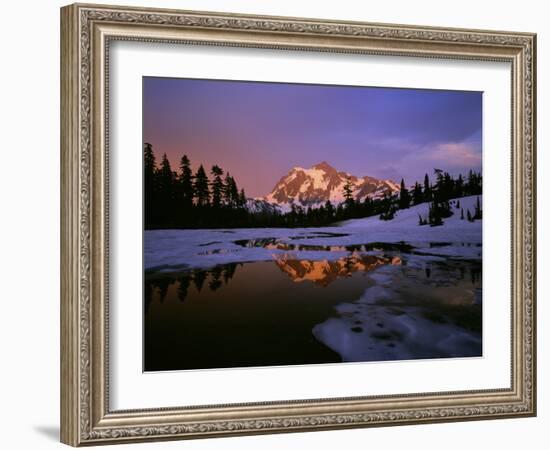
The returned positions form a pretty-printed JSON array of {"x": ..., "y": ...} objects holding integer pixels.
[
  {"x": 391, "y": 305},
  {"x": 325, "y": 271}
]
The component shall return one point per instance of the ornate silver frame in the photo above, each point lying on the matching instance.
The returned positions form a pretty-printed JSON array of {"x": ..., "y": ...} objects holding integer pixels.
[{"x": 86, "y": 31}]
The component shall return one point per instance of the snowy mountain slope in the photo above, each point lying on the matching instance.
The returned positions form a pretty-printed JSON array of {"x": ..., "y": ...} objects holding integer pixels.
[
  {"x": 409, "y": 216},
  {"x": 322, "y": 182},
  {"x": 405, "y": 226},
  {"x": 256, "y": 205}
]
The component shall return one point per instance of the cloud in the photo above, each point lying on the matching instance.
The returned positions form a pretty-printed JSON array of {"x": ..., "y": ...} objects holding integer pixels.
[
  {"x": 455, "y": 154},
  {"x": 416, "y": 160}
]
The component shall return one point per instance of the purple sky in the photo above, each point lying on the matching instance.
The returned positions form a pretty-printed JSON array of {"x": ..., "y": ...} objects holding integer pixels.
[{"x": 259, "y": 131}]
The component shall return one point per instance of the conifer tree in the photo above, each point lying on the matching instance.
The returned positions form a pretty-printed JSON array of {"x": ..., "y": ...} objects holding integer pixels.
[
  {"x": 368, "y": 207},
  {"x": 388, "y": 214},
  {"x": 166, "y": 192},
  {"x": 427, "y": 189},
  {"x": 202, "y": 192},
  {"x": 186, "y": 182},
  {"x": 149, "y": 185},
  {"x": 227, "y": 189},
  {"x": 339, "y": 212},
  {"x": 417, "y": 194},
  {"x": 404, "y": 197},
  {"x": 231, "y": 190},
  {"x": 438, "y": 186},
  {"x": 348, "y": 193},
  {"x": 165, "y": 177},
  {"x": 447, "y": 187},
  {"x": 217, "y": 186},
  {"x": 329, "y": 210},
  {"x": 242, "y": 199},
  {"x": 459, "y": 188},
  {"x": 477, "y": 210},
  {"x": 149, "y": 163},
  {"x": 471, "y": 182}
]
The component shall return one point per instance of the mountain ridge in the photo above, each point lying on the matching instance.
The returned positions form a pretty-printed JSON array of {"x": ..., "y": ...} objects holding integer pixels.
[{"x": 322, "y": 182}]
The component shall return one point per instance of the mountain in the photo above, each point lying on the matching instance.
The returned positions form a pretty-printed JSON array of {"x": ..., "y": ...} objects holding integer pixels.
[
  {"x": 258, "y": 205},
  {"x": 322, "y": 182}
]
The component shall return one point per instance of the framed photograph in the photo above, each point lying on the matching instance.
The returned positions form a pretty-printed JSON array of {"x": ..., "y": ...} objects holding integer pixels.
[{"x": 276, "y": 224}]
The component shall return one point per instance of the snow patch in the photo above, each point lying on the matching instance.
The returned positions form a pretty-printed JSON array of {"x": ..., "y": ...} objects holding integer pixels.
[{"x": 174, "y": 248}]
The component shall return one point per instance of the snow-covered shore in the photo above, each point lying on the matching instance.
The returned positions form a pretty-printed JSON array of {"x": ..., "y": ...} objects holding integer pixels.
[
  {"x": 386, "y": 323},
  {"x": 181, "y": 249}
]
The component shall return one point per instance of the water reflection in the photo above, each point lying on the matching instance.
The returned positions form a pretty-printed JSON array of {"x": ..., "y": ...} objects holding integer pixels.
[
  {"x": 183, "y": 287},
  {"x": 406, "y": 316},
  {"x": 279, "y": 244},
  {"x": 390, "y": 305},
  {"x": 157, "y": 285},
  {"x": 325, "y": 271}
]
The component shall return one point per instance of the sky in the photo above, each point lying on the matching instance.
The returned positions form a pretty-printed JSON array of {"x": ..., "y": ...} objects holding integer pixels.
[{"x": 259, "y": 131}]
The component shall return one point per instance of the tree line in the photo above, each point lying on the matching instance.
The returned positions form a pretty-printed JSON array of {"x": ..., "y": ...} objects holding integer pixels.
[
  {"x": 445, "y": 189},
  {"x": 196, "y": 200},
  {"x": 438, "y": 195},
  {"x": 187, "y": 199}
]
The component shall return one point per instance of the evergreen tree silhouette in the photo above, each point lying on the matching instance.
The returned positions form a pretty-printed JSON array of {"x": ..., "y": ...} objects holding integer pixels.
[
  {"x": 149, "y": 186},
  {"x": 201, "y": 187},
  {"x": 186, "y": 182},
  {"x": 242, "y": 199},
  {"x": 166, "y": 192},
  {"x": 234, "y": 191},
  {"x": 477, "y": 210},
  {"x": 427, "y": 189},
  {"x": 329, "y": 211},
  {"x": 348, "y": 193},
  {"x": 231, "y": 190},
  {"x": 404, "y": 197},
  {"x": 217, "y": 186},
  {"x": 459, "y": 188},
  {"x": 417, "y": 194}
]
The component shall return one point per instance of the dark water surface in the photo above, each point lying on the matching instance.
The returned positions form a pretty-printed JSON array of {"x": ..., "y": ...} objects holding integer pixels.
[{"x": 362, "y": 307}]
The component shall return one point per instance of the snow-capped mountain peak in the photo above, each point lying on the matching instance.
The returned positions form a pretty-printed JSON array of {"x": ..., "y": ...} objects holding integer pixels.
[{"x": 322, "y": 182}]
